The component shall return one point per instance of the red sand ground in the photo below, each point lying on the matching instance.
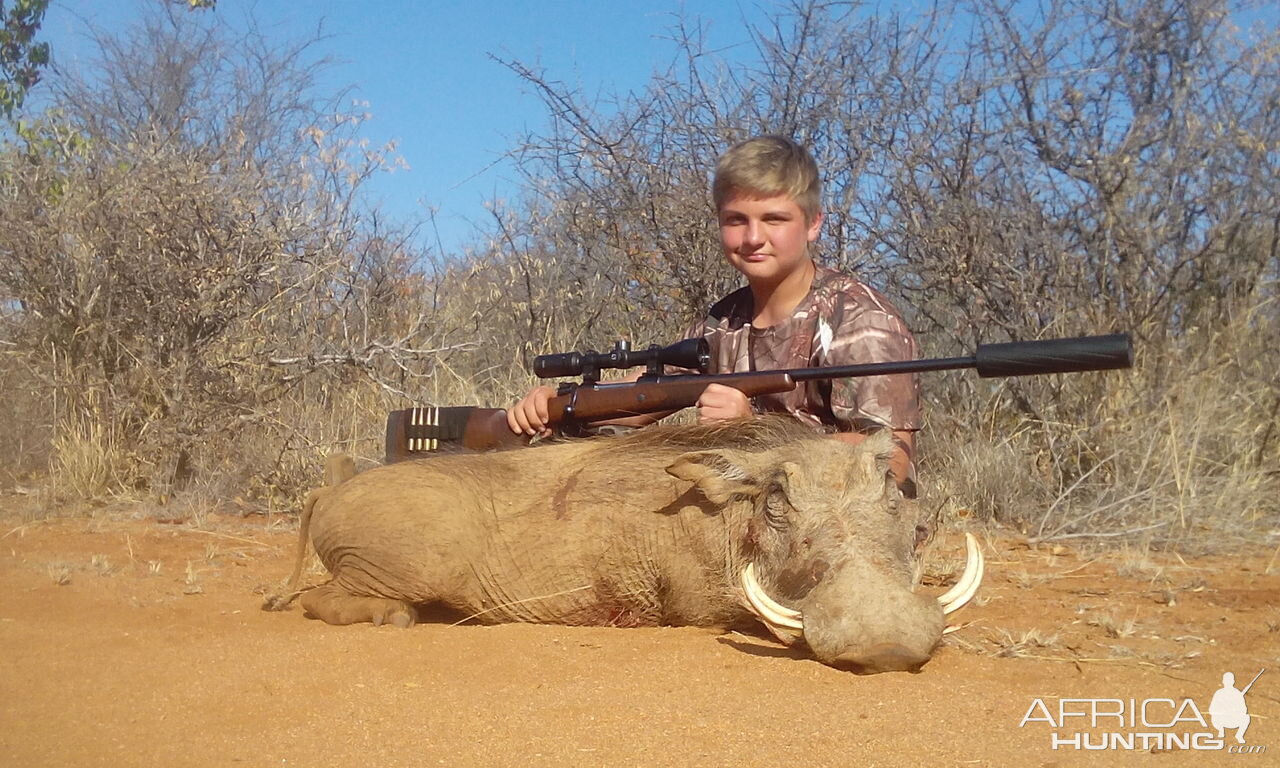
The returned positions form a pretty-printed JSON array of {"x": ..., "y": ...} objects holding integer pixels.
[{"x": 125, "y": 642}]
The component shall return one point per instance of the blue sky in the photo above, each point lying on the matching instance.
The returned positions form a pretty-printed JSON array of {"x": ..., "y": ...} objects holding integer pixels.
[{"x": 425, "y": 71}]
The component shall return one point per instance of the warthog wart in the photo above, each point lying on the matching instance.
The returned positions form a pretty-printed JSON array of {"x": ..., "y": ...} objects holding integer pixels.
[{"x": 717, "y": 525}]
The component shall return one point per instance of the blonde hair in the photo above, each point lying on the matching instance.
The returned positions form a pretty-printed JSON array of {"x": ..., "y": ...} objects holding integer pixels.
[{"x": 766, "y": 166}]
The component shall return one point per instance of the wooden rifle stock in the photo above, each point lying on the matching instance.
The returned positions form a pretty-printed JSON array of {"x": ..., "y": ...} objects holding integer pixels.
[
  {"x": 419, "y": 431},
  {"x": 416, "y": 432},
  {"x": 666, "y": 393}
]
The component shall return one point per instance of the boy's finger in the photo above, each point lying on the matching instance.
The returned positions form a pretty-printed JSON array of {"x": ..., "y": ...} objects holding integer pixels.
[
  {"x": 522, "y": 419},
  {"x": 516, "y": 419},
  {"x": 536, "y": 422}
]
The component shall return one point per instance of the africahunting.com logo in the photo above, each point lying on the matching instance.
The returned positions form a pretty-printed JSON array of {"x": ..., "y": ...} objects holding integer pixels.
[{"x": 1149, "y": 724}]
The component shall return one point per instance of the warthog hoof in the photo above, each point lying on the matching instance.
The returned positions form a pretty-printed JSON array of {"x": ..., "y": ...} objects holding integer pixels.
[
  {"x": 395, "y": 617},
  {"x": 336, "y": 606}
]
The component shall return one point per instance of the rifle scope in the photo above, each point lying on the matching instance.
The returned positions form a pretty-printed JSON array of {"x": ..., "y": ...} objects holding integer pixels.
[{"x": 690, "y": 353}]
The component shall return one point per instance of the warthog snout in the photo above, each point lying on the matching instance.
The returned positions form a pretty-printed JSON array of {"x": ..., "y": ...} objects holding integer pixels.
[
  {"x": 865, "y": 622},
  {"x": 886, "y": 657},
  {"x": 864, "y": 619}
]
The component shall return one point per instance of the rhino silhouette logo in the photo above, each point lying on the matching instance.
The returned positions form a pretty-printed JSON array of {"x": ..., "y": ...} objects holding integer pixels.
[{"x": 1228, "y": 709}]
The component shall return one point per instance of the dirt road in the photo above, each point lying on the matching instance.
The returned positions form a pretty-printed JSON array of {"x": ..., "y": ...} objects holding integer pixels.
[{"x": 125, "y": 642}]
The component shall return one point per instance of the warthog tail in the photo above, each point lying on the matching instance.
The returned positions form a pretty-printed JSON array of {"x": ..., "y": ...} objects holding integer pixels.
[{"x": 338, "y": 469}]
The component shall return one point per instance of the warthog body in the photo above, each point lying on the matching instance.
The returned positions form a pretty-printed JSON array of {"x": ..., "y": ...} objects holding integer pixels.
[{"x": 651, "y": 528}]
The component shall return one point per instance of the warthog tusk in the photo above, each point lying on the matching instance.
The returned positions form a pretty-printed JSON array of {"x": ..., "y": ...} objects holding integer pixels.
[
  {"x": 774, "y": 607},
  {"x": 955, "y": 598},
  {"x": 783, "y": 622}
]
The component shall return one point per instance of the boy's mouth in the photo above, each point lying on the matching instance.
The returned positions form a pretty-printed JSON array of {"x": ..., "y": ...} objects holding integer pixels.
[{"x": 754, "y": 257}]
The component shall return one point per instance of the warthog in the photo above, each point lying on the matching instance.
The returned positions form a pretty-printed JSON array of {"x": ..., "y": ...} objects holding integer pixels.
[{"x": 693, "y": 525}]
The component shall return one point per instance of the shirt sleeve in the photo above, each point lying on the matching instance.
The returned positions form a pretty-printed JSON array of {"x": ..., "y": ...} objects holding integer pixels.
[{"x": 871, "y": 335}]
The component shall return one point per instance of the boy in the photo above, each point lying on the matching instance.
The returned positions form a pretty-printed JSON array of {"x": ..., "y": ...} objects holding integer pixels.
[{"x": 792, "y": 313}]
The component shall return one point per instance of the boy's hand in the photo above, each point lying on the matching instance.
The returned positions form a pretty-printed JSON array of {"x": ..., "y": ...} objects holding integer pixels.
[
  {"x": 720, "y": 402},
  {"x": 530, "y": 415}
]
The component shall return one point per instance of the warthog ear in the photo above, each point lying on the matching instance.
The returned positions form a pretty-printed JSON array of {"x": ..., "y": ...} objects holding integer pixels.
[
  {"x": 720, "y": 474},
  {"x": 870, "y": 463}
]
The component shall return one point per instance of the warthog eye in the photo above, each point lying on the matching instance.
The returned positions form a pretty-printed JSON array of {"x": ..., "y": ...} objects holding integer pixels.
[
  {"x": 922, "y": 535},
  {"x": 775, "y": 509}
]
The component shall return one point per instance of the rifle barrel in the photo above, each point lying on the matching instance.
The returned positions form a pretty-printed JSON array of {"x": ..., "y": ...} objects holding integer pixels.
[
  {"x": 883, "y": 369},
  {"x": 1254, "y": 680},
  {"x": 1016, "y": 358}
]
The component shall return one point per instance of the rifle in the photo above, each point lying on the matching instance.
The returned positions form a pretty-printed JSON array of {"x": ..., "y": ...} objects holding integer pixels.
[
  {"x": 415, "y": 432},
  {"x": 1245, "y": 690}
]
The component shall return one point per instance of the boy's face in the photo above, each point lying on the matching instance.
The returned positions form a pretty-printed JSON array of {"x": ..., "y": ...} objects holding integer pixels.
[{"x": 766, "y": 238}]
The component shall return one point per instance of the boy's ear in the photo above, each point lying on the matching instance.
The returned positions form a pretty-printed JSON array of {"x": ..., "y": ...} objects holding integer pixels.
[{"x": 815, "y": 226}]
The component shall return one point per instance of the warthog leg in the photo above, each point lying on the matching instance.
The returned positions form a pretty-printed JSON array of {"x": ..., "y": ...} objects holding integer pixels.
[{"x": 335, "y": 606}]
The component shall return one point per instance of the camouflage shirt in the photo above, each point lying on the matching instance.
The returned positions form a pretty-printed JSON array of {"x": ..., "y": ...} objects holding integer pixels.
[{"x": 841, "y": 321}]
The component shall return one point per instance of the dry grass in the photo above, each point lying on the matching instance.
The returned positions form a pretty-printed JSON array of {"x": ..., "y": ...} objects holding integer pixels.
[
  {"x": 191, "y": 580},
  {"x": 1135, "y": 562},
  {"x": 88, "y": 461},
  {"x": 60, "y": 573},
  {"x": 1114, "y": 626},
  {"x": 1186, "y": 462},
  {"x": 1016, "y": 644}
]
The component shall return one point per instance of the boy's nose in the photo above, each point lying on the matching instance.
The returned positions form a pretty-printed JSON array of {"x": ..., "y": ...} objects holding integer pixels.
[{"x": 754, "y": 236}]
